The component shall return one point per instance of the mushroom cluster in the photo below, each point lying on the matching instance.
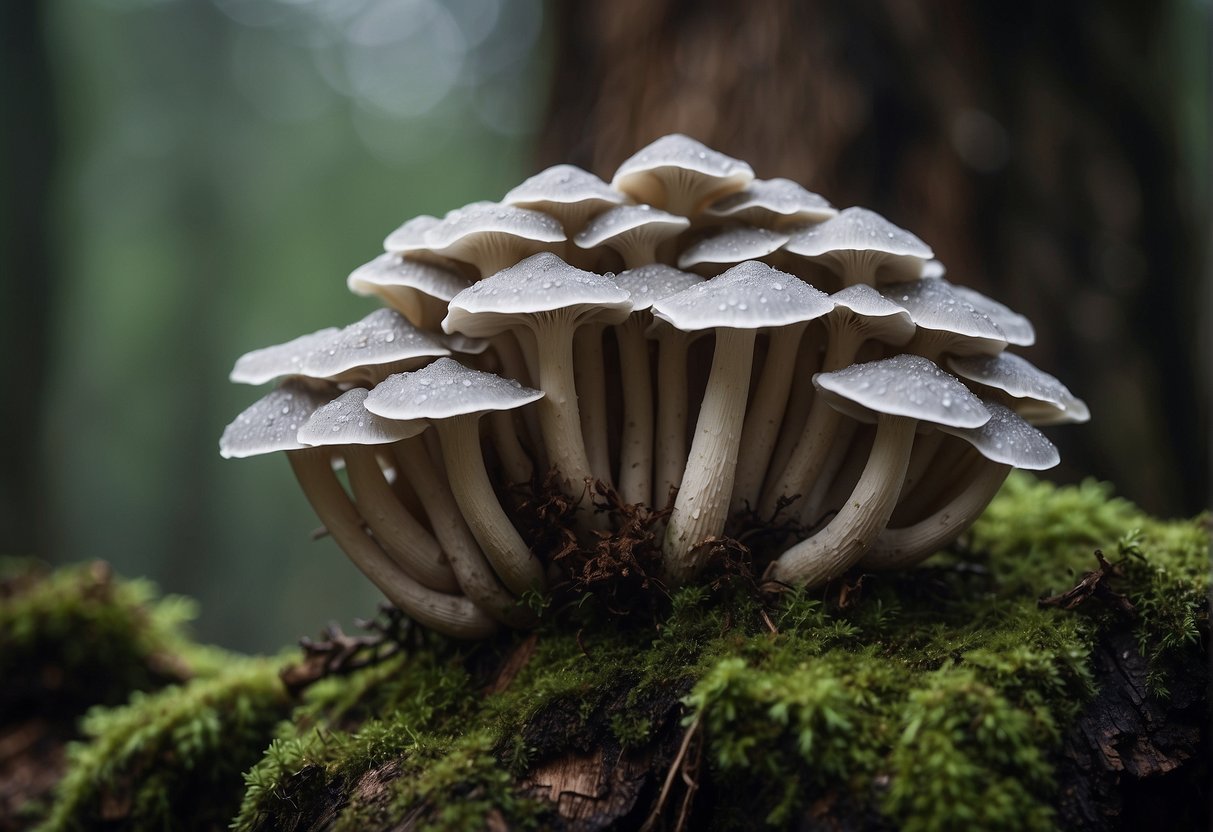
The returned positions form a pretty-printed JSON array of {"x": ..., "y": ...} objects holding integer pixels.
[{"x": 686, "y": 336}]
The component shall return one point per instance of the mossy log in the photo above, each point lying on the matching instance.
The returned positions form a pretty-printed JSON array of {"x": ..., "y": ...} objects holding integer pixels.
[{"x": 1017, "y": 682}]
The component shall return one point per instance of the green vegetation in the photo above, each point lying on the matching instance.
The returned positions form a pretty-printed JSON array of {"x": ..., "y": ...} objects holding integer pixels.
[{"x": 931, "y": 700}]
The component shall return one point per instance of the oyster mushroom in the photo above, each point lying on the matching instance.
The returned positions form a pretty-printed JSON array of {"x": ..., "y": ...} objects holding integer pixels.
[
  {"x": 566, "y": 192},
  {"x": 773, "y": 203},
  {"x": 862, "y": 247},
  {"x": 680, "y": 175}
]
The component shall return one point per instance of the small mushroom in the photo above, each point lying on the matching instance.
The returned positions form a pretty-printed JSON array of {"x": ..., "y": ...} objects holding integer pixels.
[
  {"x": 1035, "y": 395},
  {"x": 680, "y": 175},
  {"x": 453, "y": 398},
  {"x": 271, "y": 424},
  {"x": 736, "y": 304},
  {"x": 490, "y": 236},
  {"x": 418, "y": 290},
  {"x": 1006, "y": 442},
  {"x": 566, "y": 192},
  {"x": 351, "y": 430},
  {"x": 862, "y": 247},
  {"x": 550, "y": 299},
  {"x": 633, "y": 231},
  {"x": 773, "y": 203},
  {"x": 947, "y": 323},
  {"x": 897, "y": 393}
]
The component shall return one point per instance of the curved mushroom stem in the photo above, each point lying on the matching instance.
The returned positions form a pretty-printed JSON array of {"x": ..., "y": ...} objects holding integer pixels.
[
  {"x": 636, "y": 445},
  {"x": 836, "y": 467},
  {"x": 476, "y": 578},
  {"x": 851, "y": 532},
  {"x": 702, "y": 505},
  {"x": 514, "y": 459},
  {"x": 766, "y": 414},
  {"x": 452, "y": 615},
  {"x": 591, "y": 394},
  {"x": 671, "y": 412},
  {"x": 398, "y": 532},
  {"x": 796, "y": 415},
  {"x": 514, "y": 563},
  {"x": 559, "y": 414},
  {"x": 899, "y": 548},
  {"x": 514, "y": 366},
  {"x": 937, "y": 478}
]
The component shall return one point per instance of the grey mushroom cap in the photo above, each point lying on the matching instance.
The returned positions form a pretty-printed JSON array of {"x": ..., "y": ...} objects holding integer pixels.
[
  {"x": 390, "y": 272},
  {"x": 1017, "y": 328},
  {"x": 383, "y": 337},
  {"x": 562, "y": 185},
  {"x": 935, "y": 305},
  {"x": 540, "y": 283},
  {"x": 630, "y": 219},
  {"x": 444, "y": 389},
  {"x": 893, "y": 322},
  {"x": 346, "y": 421},
  {"x": 272, "y": 422},
  {"x": 1009, "y": 440},
  {"x": 677, "y": 169},
  {"x": 904, "y": 385},
  {"x": 1041, "y": 397},
  {"x": 751, "y": 295},
  {"x": 732, "y": 245},
  {"x": 490, "y": 218},
  {"x": 286, "y": 359},
  {"x": 857, "y": 229},
  {"x": 410, "y": 235},
  {"x": 776, "y": 201},
  {"x": 648, "y": 284}
]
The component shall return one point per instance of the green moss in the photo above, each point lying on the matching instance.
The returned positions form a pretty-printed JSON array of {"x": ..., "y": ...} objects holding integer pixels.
[
  {"x": 172, "y": 759},
  {"x": 935, "y": 700}
]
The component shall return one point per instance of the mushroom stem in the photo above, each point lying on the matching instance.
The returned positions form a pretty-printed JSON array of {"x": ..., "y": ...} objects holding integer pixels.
[
  {"x": 591, "y": 394},
  {"x": 514, "y": 459},
  {"x": 796, "y": 414},
  {"x": 702, "y": 505},
  {"x": 853, "y": 530},
  {"x": 514, "y": 366},
  {"x": 452, "y": 615},
  {"x": 844, "y": 448},
  {"x": 636, "y": 445},
  {"x": 559, "y": 414},
  {"x": 514, "y": 563},
  {"x": 899, "y": 548},
  {"x": 766, "y": 414},
  {"x": 671, "y": 412},
  {"x": 399, "y": 533},
  {"x": 938, "y": 476},
  {"x": 475, "y": 576}
]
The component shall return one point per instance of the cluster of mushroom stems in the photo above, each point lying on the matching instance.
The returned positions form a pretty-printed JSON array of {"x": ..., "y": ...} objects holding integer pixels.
[{"x": 686, "y": 334}]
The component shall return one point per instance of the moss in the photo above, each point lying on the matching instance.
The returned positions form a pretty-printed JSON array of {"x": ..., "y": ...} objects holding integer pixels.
[
  {"x": 172, "y": 759},
  {"x": 930, "y": 700}
]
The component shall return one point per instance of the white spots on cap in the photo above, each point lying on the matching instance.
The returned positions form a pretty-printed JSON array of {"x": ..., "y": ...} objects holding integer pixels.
[
  {"x": 562, "y": 185},
  {"x": 492, "y": 218},
  {"x": 1009, "y": 440},
  {"x": 773, "y": 202},
  {"x": 346, "y": 421},
  {"x": 680, "y": 174},
  {"x": 934, "y": 304},
  {"x": 272, "y": 422},
  {"x": 1043, "y": 398},
  {"x": 630, "y": 221},
  {"x": 750, "y": 295},
  {"x": 394, "y": 270},
  {"x": 904, "y": 385},
  {"x": 733, "y": 245},
  {"x": 444, "y": 389},
  {"x": 1017, "y": 329},
  {"x": 648, "y": 284},
  {"x": 857, "y": 229}
]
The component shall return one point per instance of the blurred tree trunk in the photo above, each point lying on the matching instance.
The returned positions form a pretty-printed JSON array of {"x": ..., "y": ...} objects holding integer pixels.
[
  {"x": 27, "y": 148},
  {"x": 1036, "y": 149}
]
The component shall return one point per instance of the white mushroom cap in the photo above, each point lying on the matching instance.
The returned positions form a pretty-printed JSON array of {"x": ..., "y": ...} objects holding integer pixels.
[
  {"x": 773, "y": 202},
  {"x": 287, "y": 359},
  {"x": 904, "y": 385},
  {"x": 1009, "y": 440},
  {"x": 933, "y": 269},
  {"x": 567, "y": 193},
  {"x": 934, "y": 305},
  {"x": 444, "y": 389},
  {"x": 346, "y": 421},
  {"x": 861, "y": 245},
  {"x": 1036, "y": 395},
  {"x": 751, "y": 295},
  {"x": 272, "y": 422},
  {"x": 410, "y": 235},
  {"x": 540, "y": 283},
  {"x": 680, "y": 174},
  {"x": 419, "y": 290},
  {"x": 1017, "y": 328},
  {"x": 634, "y": 231},
  {"x": 648, "y": 284},
  {"x": 882, "y": 318},
  {"x": 367, "y": 350},
  {"x": 490, "y": 235},
  {"x": 732, "y": 245}
]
